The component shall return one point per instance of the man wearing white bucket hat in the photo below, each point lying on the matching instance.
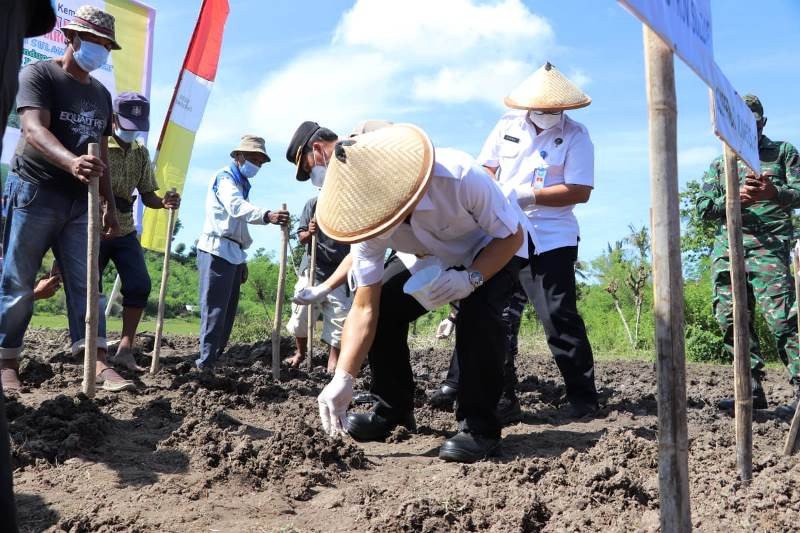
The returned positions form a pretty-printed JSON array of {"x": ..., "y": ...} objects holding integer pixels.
[
  {"x": 387, "y": 189},
  {"x": 545, "y": 160}
]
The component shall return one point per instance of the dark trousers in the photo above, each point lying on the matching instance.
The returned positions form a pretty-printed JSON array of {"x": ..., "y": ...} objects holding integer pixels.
[
  {"x": 554, "y": 299},
  {"x": 220, "y": 282},
  {"x": 480, "y": 345},
  {"x": 128, "y": 257}
]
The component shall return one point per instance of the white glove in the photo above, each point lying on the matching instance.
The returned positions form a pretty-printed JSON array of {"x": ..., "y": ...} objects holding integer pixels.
[
  {"x": 311, "y": 295},
  {"x": 334, "y": 400},
  {"x": 445, "y": 328},
  {"x": 449, "y": 286},
  {"x": 525, "y": 195}
]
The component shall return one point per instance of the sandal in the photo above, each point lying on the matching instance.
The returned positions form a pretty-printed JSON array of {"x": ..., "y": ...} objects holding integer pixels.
[
  {"x": 125, "y": 359},
  {"x": 113, "y": 382}
]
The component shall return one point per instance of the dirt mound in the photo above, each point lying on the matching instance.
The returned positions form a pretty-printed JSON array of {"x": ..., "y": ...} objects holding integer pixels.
[
  {"x": 299, "y": 457},
  {"x": 58, "y": 429}
]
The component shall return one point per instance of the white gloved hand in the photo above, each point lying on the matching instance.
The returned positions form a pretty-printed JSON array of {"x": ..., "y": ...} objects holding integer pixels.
[
  {"x": 449, "y": 286},
  {"x": 445, "y": 328},
  {"x": 525, "y": 195},
  {"x": 311, "y": 295},
  {"x": 334, "y": 400}
]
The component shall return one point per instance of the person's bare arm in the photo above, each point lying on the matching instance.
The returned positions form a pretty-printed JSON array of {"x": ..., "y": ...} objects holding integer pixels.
[
  {"x": 359, "y": 328},
  {"x": 339, "y": 276},
  {"x": 35, "y": 128},
  {"x": 562, "y": 195},
  {"x": 497, "y": 254}
]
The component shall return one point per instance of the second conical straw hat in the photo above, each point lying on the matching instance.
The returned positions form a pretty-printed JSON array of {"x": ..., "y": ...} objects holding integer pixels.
[
  {"x": 374, "y": 181},
  {"x": 547, "y": 89}
]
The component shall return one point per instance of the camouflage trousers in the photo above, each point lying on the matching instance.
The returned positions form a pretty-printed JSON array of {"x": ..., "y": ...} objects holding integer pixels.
[{"x": 770, "y": 288}]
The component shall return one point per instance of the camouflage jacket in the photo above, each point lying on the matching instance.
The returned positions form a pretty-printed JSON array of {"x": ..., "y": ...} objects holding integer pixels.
[{"x": 762, "y": 221}]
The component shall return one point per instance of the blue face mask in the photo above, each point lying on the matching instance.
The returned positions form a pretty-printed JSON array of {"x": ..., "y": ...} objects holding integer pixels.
[
  {"x": 125, "y": 135},
  {"x": 90, "y": 56},
  {"x": 248, "y": 169}
]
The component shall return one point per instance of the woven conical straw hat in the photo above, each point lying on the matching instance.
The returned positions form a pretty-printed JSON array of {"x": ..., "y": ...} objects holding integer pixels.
[
  {"x": 547, "y": 90},
  {"x": 373, "y": 182}
]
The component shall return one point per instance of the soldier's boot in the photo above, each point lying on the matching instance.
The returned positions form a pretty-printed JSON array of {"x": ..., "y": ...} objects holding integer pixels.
[
  {"x": 759, "y": 396},
  {"x": 789, "y": 408}
]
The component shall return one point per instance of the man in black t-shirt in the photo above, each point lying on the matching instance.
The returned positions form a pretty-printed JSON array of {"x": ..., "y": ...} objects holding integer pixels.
[{"x": 62, "y": 109}]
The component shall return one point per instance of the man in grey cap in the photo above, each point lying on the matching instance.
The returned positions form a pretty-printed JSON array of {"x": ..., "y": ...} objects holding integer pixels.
[{"x": 221, "y": 248}]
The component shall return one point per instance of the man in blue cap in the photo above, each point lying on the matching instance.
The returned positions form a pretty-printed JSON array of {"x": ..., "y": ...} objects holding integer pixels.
[{"x": 131, "y": 170}]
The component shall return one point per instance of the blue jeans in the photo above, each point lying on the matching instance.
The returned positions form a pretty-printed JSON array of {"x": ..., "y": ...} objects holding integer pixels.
[
  {"x": 219, "y": 297},
  {"x": 42, "y": 217},
  {"x": 128, "y": 257}
]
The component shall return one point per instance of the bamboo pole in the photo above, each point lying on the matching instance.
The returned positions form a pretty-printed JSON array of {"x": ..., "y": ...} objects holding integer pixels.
[
  {"x": 92, "y": 281},
  {"x": 155, "y": 361},
  {"x": 276, "y": 325},
  {"x": 743, "y": 390},
  {"x": 791, "y": 439},
  {"x": 312, "y": 317},
  {"x": 673, "y": 468},
  {"x": 114, "y": 295}
]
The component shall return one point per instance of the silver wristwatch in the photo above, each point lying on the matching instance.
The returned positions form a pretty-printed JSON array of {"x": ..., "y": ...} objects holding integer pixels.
[{"x": 475, "y": 278}]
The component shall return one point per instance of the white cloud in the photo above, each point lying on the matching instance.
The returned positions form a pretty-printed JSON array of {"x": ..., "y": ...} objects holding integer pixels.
[{"x": 385, "y": 59}]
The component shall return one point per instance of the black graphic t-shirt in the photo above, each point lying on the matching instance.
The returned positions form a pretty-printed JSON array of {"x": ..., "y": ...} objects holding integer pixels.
[{"x": 79, "y": 114}]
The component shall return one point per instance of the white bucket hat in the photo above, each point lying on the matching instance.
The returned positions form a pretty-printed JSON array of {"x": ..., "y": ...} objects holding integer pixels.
[{"x": 547, "y": 89}]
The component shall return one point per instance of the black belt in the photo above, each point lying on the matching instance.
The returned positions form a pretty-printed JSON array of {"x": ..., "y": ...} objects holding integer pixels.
[{"x": 233, "y": 241}]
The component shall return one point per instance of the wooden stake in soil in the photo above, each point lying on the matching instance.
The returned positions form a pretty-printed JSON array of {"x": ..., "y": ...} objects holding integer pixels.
[
  {"x": 114, "y": 295},
  {"x": 92, "y": 281},
  {"x": 673, "y": 467},
  {"x": 276, "y": 325},
  {"x": 791, "y": 439},
  {"x": 743, "y": 391},
  {"x": 155, "y": 361},
  {"x": 312, "y": 317}
]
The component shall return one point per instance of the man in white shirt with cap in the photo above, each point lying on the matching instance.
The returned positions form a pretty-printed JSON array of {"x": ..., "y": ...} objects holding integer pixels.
[
  {"x": 545, "y": 160},
  {"x": 386, "y": 189}
]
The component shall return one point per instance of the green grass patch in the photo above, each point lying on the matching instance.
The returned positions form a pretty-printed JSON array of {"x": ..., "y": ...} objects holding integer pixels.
[{"x": 172, "y": 326}]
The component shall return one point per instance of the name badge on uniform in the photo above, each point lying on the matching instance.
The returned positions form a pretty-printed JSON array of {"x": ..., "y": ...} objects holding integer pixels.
[
  {"x": 510, "y": 138},
  {"x": 538, "y": 178}
]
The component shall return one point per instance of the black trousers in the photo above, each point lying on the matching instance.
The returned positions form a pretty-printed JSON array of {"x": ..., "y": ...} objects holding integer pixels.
[
  {"x": 480, "y": 338},
  {"x": 555, "y": 303}
]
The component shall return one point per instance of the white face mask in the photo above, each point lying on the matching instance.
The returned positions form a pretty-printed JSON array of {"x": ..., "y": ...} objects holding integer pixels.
[
  {"x": 125, "y": 135},
  {"x": 318, "y": 171},
  {"x": 545, "y": 121}
]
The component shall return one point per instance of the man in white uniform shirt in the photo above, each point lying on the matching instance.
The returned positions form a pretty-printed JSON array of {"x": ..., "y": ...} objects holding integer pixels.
[
  {"x": 385, "y": 190},
  {"x": 545, "y": 160}
]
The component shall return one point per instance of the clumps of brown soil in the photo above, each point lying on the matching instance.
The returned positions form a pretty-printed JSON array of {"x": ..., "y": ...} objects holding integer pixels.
[
  {"x": 86, "y": 522},
  {"x": 34, "y": 372},
  {"x": 58, "y": 429},
  {"x": 295, "y": 459}
]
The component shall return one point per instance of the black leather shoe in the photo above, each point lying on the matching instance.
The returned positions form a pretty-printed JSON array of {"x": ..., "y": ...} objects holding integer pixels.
[
  {"x": 443, "y": 398},
  {"x": 580, "y": 408},
  {"x": 373, "y": 426},
  {"x": 467, "y": 447},
  {"x": 789, "y": 408},
  {"x": 508, "y": 410},
  {"x": 759, "y": 397}
]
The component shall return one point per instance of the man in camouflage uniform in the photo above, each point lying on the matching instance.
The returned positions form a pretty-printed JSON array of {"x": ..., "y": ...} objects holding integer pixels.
[{"x": 767, "y": 204}]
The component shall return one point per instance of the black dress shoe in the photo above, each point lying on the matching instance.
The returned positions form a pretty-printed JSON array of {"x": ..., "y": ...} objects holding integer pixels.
[
  {"x": 443, "y": 398},
  {"x": 466, "y": 447},
  {"x": 508, "y": 410},
  {"x": 373, "y": 426},
  {"x": 579, "y": 408},
  {"x": 759, "y": 397}
]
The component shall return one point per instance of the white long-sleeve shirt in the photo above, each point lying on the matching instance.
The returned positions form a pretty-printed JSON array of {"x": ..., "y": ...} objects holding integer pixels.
[{"x": 225, "y": 232}]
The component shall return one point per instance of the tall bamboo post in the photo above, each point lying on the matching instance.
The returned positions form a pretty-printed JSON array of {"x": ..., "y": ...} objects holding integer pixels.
[
  {"x": 276, "y": 325},
  {"x": 791, "y": 439},
  {"x": 673, "y": 469},
  {"x": 743, "y": 391},
  {"x": 92, "y": 281},
  {"x": 312, "y": 317},
  {"x": 155, "y": 361}
]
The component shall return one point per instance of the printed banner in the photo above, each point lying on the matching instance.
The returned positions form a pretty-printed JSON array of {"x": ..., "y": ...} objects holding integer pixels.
[
  {"x": 185, "y": 114},
  {"x": 127, "y": 69}
]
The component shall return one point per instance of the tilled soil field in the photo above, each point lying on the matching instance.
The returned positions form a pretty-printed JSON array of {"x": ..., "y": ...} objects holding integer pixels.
[{"x": 237, "y": 451}]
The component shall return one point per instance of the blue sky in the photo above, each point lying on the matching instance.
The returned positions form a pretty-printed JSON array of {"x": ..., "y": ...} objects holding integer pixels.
[{"x": 445, "y": 65}]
